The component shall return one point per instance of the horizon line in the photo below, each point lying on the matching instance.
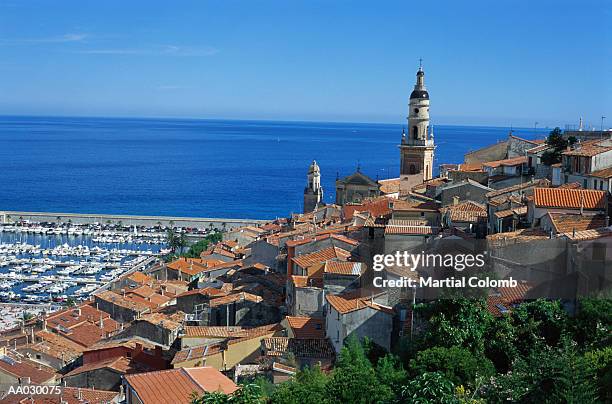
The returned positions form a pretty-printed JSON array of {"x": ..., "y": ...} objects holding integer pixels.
[{"x": 511, "y": 127}]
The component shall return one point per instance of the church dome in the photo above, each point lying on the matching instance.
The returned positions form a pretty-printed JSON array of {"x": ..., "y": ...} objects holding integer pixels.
[{"x": 422, "y": 94}]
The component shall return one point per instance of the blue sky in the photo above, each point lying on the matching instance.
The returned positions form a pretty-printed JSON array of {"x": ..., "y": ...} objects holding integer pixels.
[{"x": 487, "y": 62}]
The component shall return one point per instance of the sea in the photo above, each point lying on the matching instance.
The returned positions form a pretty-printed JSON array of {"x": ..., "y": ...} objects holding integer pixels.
[{"x": 199, "y": 168}]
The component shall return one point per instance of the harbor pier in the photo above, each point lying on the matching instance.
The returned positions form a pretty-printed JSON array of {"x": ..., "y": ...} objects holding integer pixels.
[{"x": 128, "y": 220}]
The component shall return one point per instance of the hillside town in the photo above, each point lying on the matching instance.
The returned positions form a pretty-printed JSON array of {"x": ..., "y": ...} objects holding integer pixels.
[{"x": 268, "y": 301}]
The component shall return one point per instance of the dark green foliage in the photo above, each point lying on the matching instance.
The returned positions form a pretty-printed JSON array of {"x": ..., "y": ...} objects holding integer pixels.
[
  {"x": 559, "y": 144},
  {"x": 593, "y": 322},
  {"x": 547, "y": 375},
  {"x": 308, "y": 387},
  {"x": 248, "y": 394},
  {"x": 600, "y": 363},
  {"x": 457, "y": 364},
  {"x": 355, "y": 370},
  {"x": 456, "y": 322},
  {"x": 536, "y": 354},
  {"x": 197, "y": 248},
  {"x": 430, "y": 387},
  {"x": 499, "y": 343},
  {"x": 537, "y": 322}
]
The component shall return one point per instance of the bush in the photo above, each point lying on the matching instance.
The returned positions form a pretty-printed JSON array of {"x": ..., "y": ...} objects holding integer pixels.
[{"x": 458, "y": 365}]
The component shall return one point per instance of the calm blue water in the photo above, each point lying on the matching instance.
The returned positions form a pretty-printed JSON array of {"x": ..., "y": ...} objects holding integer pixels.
[{"x": 202, "y": 168}]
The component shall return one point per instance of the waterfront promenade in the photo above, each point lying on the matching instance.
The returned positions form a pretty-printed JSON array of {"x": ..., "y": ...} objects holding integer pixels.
[{"x": 128, "y": 220}]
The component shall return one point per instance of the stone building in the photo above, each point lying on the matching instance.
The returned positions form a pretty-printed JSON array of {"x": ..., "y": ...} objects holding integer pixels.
[
  {"x": 313, "y": 193},
  {"x": 355, "y": 188},
  {"x": 417, "y": 147}
]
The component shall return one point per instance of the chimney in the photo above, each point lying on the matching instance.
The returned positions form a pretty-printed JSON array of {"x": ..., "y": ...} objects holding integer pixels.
[
  {"x": 44, "y": 324},
  {"x": 137, "y": 349},
  {"x": 101, "y": 322},
  {"x": 581, "y": 203}
]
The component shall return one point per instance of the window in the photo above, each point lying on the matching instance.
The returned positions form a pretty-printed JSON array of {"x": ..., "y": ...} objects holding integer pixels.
[
  {"x": 584, "y": 184},
  {"x": 416, "y": 110},
  {"x": 601, "y": 185},
  {"x": 412, "y": 169},
  {"x": 415, "y": 132}
]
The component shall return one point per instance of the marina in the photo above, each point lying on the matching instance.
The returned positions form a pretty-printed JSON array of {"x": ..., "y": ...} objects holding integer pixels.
[{"x": 46, "y": 263}]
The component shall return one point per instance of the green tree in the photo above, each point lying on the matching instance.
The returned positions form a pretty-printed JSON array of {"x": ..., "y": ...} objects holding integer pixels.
[
  {"x": 558, "y": 144},
  {"x": 429, "y": 388},
  {"x": 247, "y": 394},
  {"x": 354, "y": 379},
  {"x": 456, "y": 322},
  {"x": 592, "y": 325},
  {"x": 307, "y": 387},
  {"x": 457, "y": 364},
  {"x": 547, "y": 375},
  {"x": 500, "y": 343},
  {"x": 600, "y": 363},
  {"x": 540, "y": 321},
  {"x": 390, "y": 372}
]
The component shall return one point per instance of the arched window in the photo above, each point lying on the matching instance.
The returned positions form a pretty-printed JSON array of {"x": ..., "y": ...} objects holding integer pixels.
[
  {"x": 415, "y": 132},
  {"x": 412, "y": 169}
]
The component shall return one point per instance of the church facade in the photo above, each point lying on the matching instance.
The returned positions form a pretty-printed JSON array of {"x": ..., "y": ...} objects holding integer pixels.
[{"x": 417, "y": 146}]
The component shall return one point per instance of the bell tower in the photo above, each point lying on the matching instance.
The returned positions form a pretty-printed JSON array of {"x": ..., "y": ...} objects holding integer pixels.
[
  {"x": 313, "y": 193},
  {"x": 417, "y": 147}
]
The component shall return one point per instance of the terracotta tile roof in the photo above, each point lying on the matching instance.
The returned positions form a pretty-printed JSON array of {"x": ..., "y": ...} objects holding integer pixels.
[
  {"x": 306, "y": 327},
  {"x": 569, "y": 198},
  {"x": 467, "y": 211},
  {"x": 590, "y": 148},
  {"x": 515, "y": 161},
  {"x": 302, "y": 348},
  {"x": 344, "y": 268},
  {"x": 571, "y": 185},
  {"x": 519, "y": 211},
  {"x": 348, "y": 303},
  {"x": 57, "y": 346},
  {"x": 586, "y": 235},
  {"x": 194, "y": 266},
  {"x": 19, "y": 366},
  {"x": 407, "y": 206},
  {"x": 305, "y": 282},
  {"x": 235, "y": 298},
  {"x": 519, "y": 236},
  {"x": 214, "y": 332},
  {"x": 605, "y": 173},
  {"x": 139, "y": 277},
  {"x": 279, "y": 367},
  {"x": 502, "y": 300},
  {"x": 175, "y": 386},
  {"x": 72, "y": 317},
  {"x": 120, "y": 301},
  {"x": 389, "y": 186},
  {"x": 566, "y": 223},
  {"x": 469, "y": 167},
  {"x": 407, "y": 227},
  {"x": 68, "y": 395},
  {"x": 376, "y": 207},
  {"x": 167, "y": 321},
  {"x": 86, "y": 334},
  {"x": 543, "y": 183},
  {"x": 119, "y": 364},
  {"x": 208, "y": 291},
  {"x": 539, "y": 148},
  {"x": 306, "y": 240},
  {"x": 316, "y": 257}
]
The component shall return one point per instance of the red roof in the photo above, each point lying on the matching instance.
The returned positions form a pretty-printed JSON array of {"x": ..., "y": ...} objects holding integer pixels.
[
  {"x": 175, "y": 386},
  {"x": 306, "y": 327},
  {"x": 316, "y": 257},
  {"x": 569, "y": 198}
]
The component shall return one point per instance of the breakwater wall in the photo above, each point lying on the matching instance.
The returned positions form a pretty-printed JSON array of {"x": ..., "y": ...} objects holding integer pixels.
[{"x": 128, "y": 220}]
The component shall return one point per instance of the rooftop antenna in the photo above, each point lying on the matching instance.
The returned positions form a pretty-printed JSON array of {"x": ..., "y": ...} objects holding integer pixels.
[
  {"x": 420, "y": 64},
  {"x": 358, "y": 166}
]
